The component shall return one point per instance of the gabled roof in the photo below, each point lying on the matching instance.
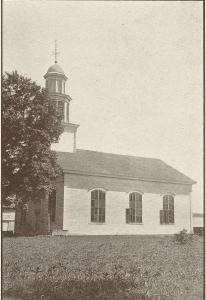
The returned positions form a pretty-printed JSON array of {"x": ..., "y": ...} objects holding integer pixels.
[{"x": 120, "y": 166}]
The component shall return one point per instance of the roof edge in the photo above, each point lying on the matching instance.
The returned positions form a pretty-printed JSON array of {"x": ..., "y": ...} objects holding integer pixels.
[{"x": 125, "y": 177}]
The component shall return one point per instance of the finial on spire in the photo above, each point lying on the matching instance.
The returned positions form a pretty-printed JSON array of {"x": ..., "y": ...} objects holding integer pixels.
[{"x": 55, "y": 51}]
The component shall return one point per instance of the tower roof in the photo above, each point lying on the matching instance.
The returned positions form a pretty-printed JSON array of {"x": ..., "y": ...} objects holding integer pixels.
[{"x": 55, "y": 70}]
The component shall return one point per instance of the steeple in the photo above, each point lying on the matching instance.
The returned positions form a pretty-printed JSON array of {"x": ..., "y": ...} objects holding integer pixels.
[
  {"x": 55, "y": 52},
  {"x": 55, "y": 85},
  {"x": 55, "y": 81}
]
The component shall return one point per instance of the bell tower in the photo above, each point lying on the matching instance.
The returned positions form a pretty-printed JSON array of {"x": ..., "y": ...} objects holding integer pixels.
[{"x": 55, "y": 85}]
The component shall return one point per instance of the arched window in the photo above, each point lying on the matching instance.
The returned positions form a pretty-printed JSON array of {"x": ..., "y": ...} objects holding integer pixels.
[
  {"x": 134, "y": 212},
  {"x": 51, "y": 85},
  {"x": 59, "y": 86},
  {"x": 98, "y": 206},
  {"x": 167, "y": 213}
]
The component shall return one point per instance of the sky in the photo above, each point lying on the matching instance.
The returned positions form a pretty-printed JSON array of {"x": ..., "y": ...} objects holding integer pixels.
[{"x": 135, "y": 73}]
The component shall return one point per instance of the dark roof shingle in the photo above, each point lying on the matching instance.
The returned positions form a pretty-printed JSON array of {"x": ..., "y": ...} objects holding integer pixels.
[{"x": 116, "y": 165}]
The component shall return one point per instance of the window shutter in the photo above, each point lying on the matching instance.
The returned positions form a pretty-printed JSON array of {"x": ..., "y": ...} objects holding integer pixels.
[
  {"x": 171, "y": 216},
  {"x": 167, "y": 216}
]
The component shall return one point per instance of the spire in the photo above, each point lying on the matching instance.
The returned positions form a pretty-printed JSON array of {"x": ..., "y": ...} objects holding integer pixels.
[{"x": 55, "y": 51}]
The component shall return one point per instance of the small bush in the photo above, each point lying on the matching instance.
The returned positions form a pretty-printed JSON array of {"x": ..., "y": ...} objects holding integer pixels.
[{"x": 183, "y": 237}]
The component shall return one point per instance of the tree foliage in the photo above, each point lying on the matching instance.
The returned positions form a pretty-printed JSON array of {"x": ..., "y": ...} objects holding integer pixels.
[{"x": 30, "y": 123}]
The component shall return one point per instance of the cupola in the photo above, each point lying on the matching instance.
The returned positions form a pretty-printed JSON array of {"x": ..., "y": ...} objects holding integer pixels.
[
  {"x": 55, "y": 79},
  {"x": 55, "y": 85}
]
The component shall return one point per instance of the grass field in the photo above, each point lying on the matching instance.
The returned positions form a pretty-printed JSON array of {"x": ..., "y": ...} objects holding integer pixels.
[{"x": 103, "y": 267}]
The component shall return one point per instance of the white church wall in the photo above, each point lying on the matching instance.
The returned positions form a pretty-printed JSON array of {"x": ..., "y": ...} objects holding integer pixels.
[
  {"x": 198, "y": 221},
  {"x": 77, "y": 214}
]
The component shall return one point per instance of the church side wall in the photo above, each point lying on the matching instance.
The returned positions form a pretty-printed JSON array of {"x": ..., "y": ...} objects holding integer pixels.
[
  {"x": 198, "y": 221},
  {"x": 77, "y": 208}
]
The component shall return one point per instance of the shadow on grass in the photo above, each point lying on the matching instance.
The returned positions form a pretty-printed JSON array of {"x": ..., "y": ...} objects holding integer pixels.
[{"x": 102, "y": 289}]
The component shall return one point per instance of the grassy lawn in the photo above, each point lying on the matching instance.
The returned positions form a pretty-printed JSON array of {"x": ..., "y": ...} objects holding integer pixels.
[{"x": 102, "y": 267}]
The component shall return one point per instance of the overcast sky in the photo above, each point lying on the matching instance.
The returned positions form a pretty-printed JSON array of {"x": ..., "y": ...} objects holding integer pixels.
[{"x": 134, "y": 73}]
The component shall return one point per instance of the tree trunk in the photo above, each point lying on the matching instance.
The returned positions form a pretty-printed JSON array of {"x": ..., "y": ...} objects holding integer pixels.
[{"x": 45, "y": 224}]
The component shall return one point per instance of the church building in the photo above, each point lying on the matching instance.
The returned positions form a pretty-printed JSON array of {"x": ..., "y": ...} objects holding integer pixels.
[{"x": 108, "y": 194}]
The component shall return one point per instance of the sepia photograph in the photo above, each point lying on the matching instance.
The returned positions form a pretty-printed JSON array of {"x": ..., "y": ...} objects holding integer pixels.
[{"x": 102, "y": 150}]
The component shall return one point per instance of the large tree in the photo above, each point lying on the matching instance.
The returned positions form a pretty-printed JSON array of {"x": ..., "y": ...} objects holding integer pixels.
[{"x": 30, "y": 123}]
